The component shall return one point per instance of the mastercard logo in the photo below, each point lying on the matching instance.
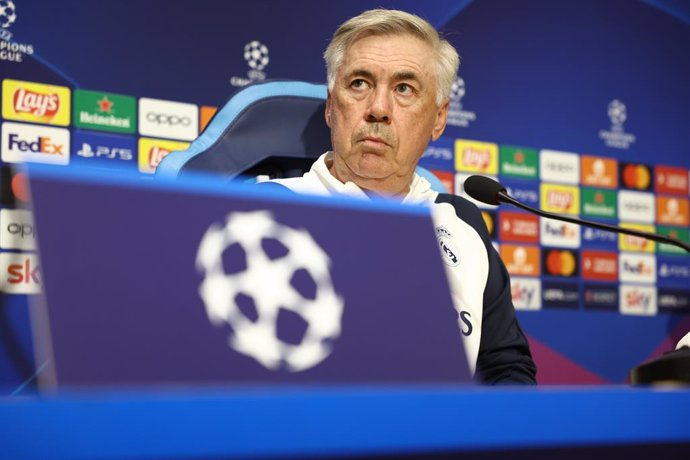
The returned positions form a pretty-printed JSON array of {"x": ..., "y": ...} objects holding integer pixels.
[
  {"x": 560, "y": 263},
  {"x": 636, "y": 176},
  {"x": 489, "y": 221}
]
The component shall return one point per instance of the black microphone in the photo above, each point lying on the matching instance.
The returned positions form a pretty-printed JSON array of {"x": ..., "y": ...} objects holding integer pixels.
[{"x": 489, "y": 191}]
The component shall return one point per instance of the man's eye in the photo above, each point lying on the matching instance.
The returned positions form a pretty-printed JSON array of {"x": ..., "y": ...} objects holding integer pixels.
[
  {"x": 358, "y": 83},
  {"x": 404, "y": 88}
]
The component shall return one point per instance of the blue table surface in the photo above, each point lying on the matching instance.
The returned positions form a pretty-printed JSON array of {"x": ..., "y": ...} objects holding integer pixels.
[{"x": 322, "y": 420}]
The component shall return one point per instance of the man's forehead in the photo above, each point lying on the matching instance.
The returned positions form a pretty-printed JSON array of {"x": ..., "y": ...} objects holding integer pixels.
[{"x": 404, "y": 51}]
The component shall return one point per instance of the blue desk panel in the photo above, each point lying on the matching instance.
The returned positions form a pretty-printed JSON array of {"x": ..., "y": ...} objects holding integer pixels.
[{"x": 328, "y": 421}]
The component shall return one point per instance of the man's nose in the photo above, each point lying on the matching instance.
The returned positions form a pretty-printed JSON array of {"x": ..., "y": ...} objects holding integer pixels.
[{"x": 380, "y": 105}]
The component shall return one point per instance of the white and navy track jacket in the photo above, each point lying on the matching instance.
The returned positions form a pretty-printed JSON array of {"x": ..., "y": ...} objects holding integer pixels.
[{"x": 496, "y": 347}]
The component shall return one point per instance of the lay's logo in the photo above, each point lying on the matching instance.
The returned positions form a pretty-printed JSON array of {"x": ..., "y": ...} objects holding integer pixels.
[
  {"x": 34, "y": 102},
  {"x": 636, "y": 243},
  {"x": 560, "y": 198},
  {"x": 478, "y": 157},
  {"x": 152, "y": 151}
]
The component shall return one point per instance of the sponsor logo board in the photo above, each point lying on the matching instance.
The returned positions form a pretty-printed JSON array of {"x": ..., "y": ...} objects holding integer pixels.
[
  {"x": 519, "y": 162},
  {"x": 152, "y": 151},
  {"x": 674, "y": 270},
  {"x": 681, "y": 234},
  {"x": 673, "y": 300},
  {"x": 559, "y": 167},
  {"x": 562, "y": 263},
  {"x": 104, "y": 111},
  {"x": 521, "y": 260},
  {"x": 636, "y": 243},
  {"x": 596, "y": 238},
  {"x": 599, "y": 203},
  {"x": 20, "y": 273},
  {"x": 439, "y": 155},
  {"x": 526, "y": 192},
  {"x": 637, "y": 268},
  {"x": 561, "y": 234},
  {"x": 598, "y": 172},
  {"x": 600, "y": 296},
  {"x": 672, "y": 210},
  {"x": 168, "y": 119},
  {"x": 637, "y": 300},
  {"x": 35, "y": 102},
  {"x": 599, "y": 265},
  {"x": 35, "y": 144},
  {"x": 670, "y": 180},
  {"x": 108, "y": 150},
  {"x": 519, "y": 227},
  {"x": 526, "y": 293},
  {"x": 17, "y": 230},
  {"x": 476, "y": 157},
  {"x": 562, "y": 199},
  {"x": 636, "y": 206},
  {"x": 560, "y": 294},
  {"x": 635, "y": 176}
]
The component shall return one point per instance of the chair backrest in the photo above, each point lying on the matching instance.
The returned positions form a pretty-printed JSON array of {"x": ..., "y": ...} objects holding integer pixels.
[{"x": 275, "y": 128}]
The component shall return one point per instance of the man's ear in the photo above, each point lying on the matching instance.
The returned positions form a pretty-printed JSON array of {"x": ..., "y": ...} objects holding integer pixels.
[
  {"x": 327, "y": 112},
  {"x": 440, "y": 122}
]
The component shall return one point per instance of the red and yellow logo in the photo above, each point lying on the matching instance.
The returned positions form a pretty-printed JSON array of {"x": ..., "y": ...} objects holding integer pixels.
[
  {"x": 636, "y": 176},
  {"x": 562, "y": 199},
  {"x": 599, "y": 172},
  {"x": 35, "y": 103},
  {"x": 152, "y": 151},
  {"x": 636, "y": 243},
  {"x": 476, "y": 157},
  {"x": 672, "y": 211},
  {"x": 521, "y": 260},
  {"x": 560, "y": 262}
]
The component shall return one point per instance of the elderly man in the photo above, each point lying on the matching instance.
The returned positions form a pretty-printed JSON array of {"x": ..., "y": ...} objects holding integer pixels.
[{"x": 389, "y": 80}]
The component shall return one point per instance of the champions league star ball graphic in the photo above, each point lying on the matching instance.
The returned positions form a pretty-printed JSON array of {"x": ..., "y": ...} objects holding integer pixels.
[
  {"x": 256, "y": 55},
  {"x": 272, "y": 285},
  {"x": 617, "y": 112},
  {"x": 8, "y": 13},
  {"x": 457, "y": 91}
]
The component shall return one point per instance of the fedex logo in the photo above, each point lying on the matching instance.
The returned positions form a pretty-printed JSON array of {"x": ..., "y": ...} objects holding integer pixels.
[
  {"x": 21, "y": 273},
  {"x": 562, "y": 234},
  {"x": 35, "y": 103},
  {"x": 34, "y": 144},
  {"x": 525, "y": 293},
  {"x": 40, "y": 144},
  {"x": 638, "y": 300},
  {"x": 637, "y": 268}
]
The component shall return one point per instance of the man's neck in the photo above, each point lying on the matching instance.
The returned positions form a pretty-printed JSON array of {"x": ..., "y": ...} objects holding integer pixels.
[{"x": 389, "y": 186}]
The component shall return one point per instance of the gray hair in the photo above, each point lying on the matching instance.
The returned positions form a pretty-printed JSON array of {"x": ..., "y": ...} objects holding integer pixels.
[{"x": 394, "y": 22}]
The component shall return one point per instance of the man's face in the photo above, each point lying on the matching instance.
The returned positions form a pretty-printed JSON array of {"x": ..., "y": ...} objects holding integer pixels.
[{"x": 382, "y": 111}]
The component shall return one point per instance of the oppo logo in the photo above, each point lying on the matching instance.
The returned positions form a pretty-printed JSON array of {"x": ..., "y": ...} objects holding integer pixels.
[
  {"x": 167, "y": 119},
  {"x": 17, "y": 229}
]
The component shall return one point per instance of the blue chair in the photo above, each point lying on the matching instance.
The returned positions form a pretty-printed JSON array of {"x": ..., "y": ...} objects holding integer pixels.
[{"x": 272, "y": 128}]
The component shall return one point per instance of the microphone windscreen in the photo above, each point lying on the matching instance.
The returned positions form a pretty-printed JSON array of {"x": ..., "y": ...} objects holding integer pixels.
[{"x": 483, "y": 189}]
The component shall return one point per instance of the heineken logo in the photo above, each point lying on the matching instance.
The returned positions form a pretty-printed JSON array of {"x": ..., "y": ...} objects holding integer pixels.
[{"x": 104, "y": 111}]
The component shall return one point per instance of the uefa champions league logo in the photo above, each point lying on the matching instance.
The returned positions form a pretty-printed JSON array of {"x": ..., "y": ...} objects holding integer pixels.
[
  {"x": 256, "y": 56},
  {"x": 457, "y": 116},
  {"x": 616, "y": 136},
  {"x": 617, "y": 113},
  {"x": 256, "y": 270},
  {"x": 8, "y": 14}
]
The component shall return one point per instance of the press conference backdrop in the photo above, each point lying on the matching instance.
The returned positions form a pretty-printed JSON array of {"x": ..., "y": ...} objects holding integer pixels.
[{"x": 579, "y": 107}]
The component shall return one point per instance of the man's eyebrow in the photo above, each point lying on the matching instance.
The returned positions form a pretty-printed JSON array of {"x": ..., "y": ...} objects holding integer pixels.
[
  {"x": 361, "y": 73},
  {"x": 398, "y": 76}
]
